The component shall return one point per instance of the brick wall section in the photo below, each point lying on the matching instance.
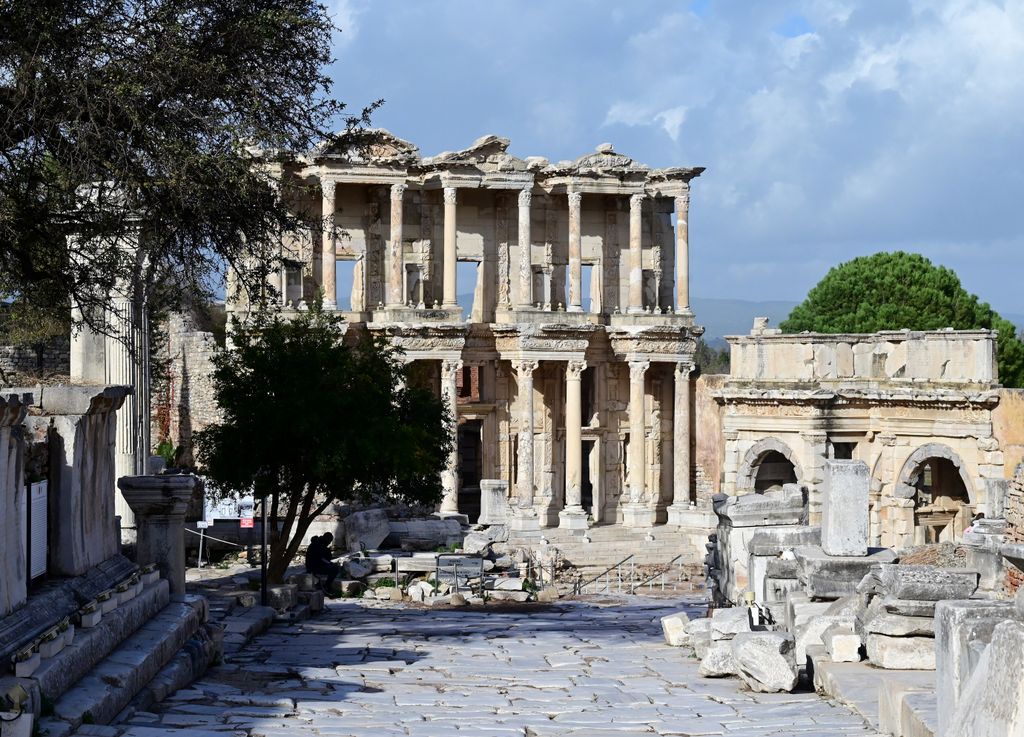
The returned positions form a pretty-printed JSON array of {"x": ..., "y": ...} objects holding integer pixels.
[
  {"x": 184, "y": 403},
  {"x": 1015, "y": 523},
  {"x": 23, "y": 364}
]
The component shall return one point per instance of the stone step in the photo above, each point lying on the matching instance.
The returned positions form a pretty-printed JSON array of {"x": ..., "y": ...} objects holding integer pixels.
[
  {"x": 91, "y": 645},
  {"x": 110, "y": 686}
]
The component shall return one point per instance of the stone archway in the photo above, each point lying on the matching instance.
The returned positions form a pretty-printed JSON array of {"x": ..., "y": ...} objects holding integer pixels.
[
  {"x": 746, "y": 477},
  {"x": 944, "y": 496},
  {"x": 906, "y": 484}
]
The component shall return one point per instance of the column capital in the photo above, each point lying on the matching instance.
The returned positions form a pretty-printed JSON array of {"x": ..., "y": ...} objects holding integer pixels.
[
  {"x": 574, "y": 370},
  {"x": 398, "y": 191},
  {"x": 327, "y": 187},
  {"x": 524, "y": 367},
  {"x": 575, "y": 200},
  {"x": 525, "y": 196},
  {"x": 682, "y": 201},
  {"x": 636, "y": 201},
  {"x": 450, "y": 195},
  {"x": 637, "y": 369},
  {"x": 684, "y": 370},
  {"x": 450, "y": 367}
]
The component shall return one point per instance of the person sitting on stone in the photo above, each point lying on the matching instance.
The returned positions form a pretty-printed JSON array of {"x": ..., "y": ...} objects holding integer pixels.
[{"x": 318, "y": 560}]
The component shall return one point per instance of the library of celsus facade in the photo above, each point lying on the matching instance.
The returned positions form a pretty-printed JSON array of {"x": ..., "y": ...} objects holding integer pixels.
[{"x": 570, "y": 375}]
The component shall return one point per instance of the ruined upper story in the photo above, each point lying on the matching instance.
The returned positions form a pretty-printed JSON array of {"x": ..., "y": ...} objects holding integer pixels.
[
  {"x": 601, "y": 239},
  {"x": 895, "y": 361}
]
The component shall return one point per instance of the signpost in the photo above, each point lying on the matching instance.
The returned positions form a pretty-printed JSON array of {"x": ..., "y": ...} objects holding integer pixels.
[{"x": 201, "y": 525}]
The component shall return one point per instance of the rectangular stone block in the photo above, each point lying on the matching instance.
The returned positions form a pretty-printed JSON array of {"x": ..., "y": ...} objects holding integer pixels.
[
  {"x": 958, "y": 626},
  {"x": 842, "y": 644},
  {"x": 844, "y": 509},
  {"x": 991, "y": 702},
  {"x": 901, "y": 653}
]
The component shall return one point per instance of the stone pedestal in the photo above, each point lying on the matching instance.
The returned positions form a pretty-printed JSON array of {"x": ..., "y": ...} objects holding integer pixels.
[
  {"x": 494, "y": 507},
  {"x": 683, "y": 515},
  {"x": 844, "y": 511},
  {"x": 159, "y": 503},
  {"x": 573, "y": 519},
  {"x": 524, "y": 520},
  {"x": 638, "y": 515}
]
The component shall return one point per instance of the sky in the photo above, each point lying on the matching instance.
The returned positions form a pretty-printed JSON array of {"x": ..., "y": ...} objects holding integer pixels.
[{"x": 829, "y": 128}]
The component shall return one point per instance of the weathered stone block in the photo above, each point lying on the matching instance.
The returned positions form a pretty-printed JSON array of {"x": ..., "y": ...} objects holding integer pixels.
[
  {"x": 674, "y": 628},
  {"x": 765, "y": 661},
  {"x": 842, "y": 644},
  {"x": 922, "y": 583},
  {"x": 960, "y": 626},
  {"x": 727, "y": 623},
  {"x": 718, "y": 661},
  {"x": 282, "y": 597},
  {"x": 367, "y": 529},
  {"x": 844, "y": 510},
  {"x": 812, "y": 631},
  {"x": 992, "y": 704},
  {"x": 898, "y": 625},
  {"x": 831, "y": 577},
  {"x": 901, "y": 653},
  {"x": 357, "y": 567}
]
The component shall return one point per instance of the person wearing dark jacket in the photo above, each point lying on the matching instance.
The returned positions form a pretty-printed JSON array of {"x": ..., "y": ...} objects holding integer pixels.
[{"x": 318, "y": 559}]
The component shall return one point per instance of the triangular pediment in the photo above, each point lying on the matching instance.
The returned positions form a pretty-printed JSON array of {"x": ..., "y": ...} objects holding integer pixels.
[{"x": 369, "y": 145}]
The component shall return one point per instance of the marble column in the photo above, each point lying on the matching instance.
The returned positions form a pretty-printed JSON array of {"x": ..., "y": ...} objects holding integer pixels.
[
  {"x": 683, "y": 252},
  {"x": 451, "y": 256},
  {"x": 682, "y": 465},
  {"x": 524, "y": 516},
  {"x": 328, "y": 248},
  {"x": 450, "y": 477},
  {"x": 573, "y": 517},
  {"x": 393, "y": 296},
  {"x": 575, "y": 253},
  {"x": 159, "y": 504},
  {"x": 635, "y": 513},
  {"x": 636, "y": 268},
  {"x": 525, "y": 260}
]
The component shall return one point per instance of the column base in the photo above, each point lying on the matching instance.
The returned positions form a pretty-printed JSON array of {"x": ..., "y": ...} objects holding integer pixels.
[
  {"x": 451, "y": 306},
  {"x": 683, "y": 515},
  {"x": 574, "y": 308},
  {"x": 524, "y": 520},
  {"x": 573, "y": 518},
  {"x": 638, "y": 515},
  {"x": 634, "y": 310}
]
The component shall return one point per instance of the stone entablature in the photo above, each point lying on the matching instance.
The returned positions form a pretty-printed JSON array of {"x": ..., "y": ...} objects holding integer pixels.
[{"x": 936, "y": 358}]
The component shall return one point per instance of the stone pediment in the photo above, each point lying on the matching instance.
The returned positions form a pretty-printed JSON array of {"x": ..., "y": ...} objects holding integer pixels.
[
  {"x": 603, "y": 161},
  {"x": 368, "y": 146},
  {"x": 488, "y": 154}
]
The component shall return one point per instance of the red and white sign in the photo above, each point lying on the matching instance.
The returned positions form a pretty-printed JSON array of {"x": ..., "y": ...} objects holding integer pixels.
[{"x": 245, "y": 522}]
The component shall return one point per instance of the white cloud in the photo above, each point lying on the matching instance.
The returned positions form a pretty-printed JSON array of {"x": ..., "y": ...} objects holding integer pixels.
[{"x": 345, "y": 14}]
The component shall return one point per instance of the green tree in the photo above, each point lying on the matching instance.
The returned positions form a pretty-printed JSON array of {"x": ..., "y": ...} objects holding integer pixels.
[
  {"x": 310, "y": 418},
  {"x": 895, "y": 291},
  {"x": 141, "y": 138}
]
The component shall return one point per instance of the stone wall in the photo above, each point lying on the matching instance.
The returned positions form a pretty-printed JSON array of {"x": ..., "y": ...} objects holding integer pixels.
[
  {"x": 899, "y": 356},
  {"x": 22, "y": 364},
  {"x": 1008, "y": 427},
  {"x": 184, "y": 402},
  {"x": 710, "y": 449},
  {"x": 1015, "y": 523}
]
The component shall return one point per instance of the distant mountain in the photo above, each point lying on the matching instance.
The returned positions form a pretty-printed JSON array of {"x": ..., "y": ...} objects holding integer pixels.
[{"x": 721, "y": 317}]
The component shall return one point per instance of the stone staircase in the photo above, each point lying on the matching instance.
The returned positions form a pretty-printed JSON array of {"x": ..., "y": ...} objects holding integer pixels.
[{"x": 126, "y": 642}]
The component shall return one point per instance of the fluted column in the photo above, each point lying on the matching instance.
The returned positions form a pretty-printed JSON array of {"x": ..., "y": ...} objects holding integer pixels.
[
  {"x": 525, "y": 515},
  {"x": 525, "y": 260},
  {"x": 450, "y": 477},
  {"x": 683, "y": 252},
  {"x": 573, "y": 516},
  {"x": 394, "y": 296},
  {"x": 636, "y": 268},
  {"x": 681, "y": 467},
  {"x": 328, "y": 252},
  {"x": 451, "y": 256},
  {"x": 575, "y": 253},
  {"x": 635, "y": 513}
]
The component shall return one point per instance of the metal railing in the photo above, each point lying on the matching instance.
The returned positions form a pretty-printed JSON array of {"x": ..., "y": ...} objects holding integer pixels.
[
  {"x": 580, "y": 586},
  {"x": 649, "y": 581}
]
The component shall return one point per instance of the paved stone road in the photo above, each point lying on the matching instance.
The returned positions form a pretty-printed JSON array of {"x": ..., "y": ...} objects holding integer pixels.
[{"x": 573, "y": 668}]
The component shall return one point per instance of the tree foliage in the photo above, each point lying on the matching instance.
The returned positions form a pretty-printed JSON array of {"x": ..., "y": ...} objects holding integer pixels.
[
  {"x": 135, "y": 136},
  {"x": 308, "y": 420},
  {"x": 895, "y": 291}
]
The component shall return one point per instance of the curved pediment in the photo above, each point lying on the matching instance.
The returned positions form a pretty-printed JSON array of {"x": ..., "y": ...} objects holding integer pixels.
[{"x": 487, "y": 153}]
